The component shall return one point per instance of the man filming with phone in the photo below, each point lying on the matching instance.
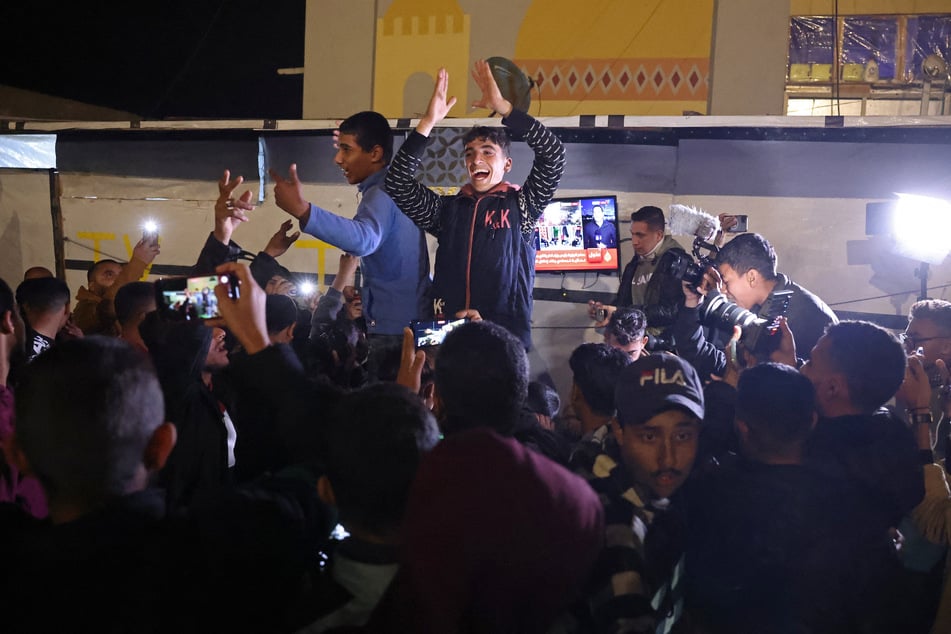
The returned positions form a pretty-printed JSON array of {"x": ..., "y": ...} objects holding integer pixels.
[
  {"x": 644, "y": 285},
  {"x": 94, "y": 312},
  {"x": 745, "y": 269}
]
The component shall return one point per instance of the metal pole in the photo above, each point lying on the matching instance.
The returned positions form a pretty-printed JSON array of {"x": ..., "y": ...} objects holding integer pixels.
[{"x": 59, "y": 236}]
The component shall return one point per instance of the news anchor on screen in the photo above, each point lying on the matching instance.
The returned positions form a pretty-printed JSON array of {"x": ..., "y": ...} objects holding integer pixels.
[{"x": 599, "y": 234}]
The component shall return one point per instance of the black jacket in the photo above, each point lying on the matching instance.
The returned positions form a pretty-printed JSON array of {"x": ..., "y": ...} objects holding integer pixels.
[
  {"x": 665, "y": 294},
  {"x": 486, "y": 254},
  {"x": 263, "y": 266},
  {"x": 807, "y": 314}
]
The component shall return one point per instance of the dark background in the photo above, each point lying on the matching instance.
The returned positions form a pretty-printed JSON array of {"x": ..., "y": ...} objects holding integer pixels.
[{"x": 176, "y": 59}]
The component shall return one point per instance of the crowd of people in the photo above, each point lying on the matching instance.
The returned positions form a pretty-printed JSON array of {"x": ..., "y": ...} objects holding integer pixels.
[{"x": 307, "y": 468}]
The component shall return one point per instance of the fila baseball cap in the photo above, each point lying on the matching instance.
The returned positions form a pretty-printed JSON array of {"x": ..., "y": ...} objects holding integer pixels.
[{"x": 654, "y": 384}]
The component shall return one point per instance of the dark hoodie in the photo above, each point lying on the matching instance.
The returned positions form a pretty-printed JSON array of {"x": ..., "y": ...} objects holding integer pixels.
[{"x": 197, "y": 469}]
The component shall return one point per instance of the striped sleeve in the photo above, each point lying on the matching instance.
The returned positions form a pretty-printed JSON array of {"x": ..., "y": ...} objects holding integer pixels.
[
  {"x": 618, "y": 596},
  {"x": 547, "y": 169},
  {"x": 419, "y": 203}
]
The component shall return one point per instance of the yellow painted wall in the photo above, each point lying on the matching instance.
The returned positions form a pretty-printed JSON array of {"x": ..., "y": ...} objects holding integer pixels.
[
  {"x": 669, "y": 40},
  {"x": 598, "y": 57},
  {"x": 616, "y": 56},
  {"x": 555, "y": 29},
  {"x": 419, "y": 37}
]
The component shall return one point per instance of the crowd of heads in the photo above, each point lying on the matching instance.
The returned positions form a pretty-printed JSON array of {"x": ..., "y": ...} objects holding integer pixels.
[{"x": 98, "y": 418}]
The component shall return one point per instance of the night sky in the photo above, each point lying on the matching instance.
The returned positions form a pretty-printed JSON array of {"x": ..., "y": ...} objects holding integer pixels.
[{"x": 180, "y": 59}]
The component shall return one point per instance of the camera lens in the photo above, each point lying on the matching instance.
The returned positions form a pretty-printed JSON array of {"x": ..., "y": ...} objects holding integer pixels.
[
  {"x": 223, "y": 279},
  {"x": 718, "y": 312}
]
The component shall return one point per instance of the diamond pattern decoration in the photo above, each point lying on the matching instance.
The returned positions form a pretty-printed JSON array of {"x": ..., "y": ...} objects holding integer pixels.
[
  {"x": 624, "y": 78},
  {"x": 676, "y": 78},
  {"x": 620, "y": 79},
  {"x": 641, "y": 79},
  {"x": 694, "y": 79},
  {"x": 607, "y": 78},
  {"x": 589, "y": 78},
  {"x": 442, "y": 163}
]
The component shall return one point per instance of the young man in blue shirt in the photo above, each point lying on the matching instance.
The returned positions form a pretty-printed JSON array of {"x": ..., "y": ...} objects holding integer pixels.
[{"x": 393, "y": 251}]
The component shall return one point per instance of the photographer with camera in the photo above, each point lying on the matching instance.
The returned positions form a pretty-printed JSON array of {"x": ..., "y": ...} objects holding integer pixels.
[
  {"x": 645, "y": 283},
  {"x": 745, "y": 268}
]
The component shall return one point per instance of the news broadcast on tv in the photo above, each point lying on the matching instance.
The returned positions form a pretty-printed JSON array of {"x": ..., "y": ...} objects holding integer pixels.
[{"x": 578, "y": 234}]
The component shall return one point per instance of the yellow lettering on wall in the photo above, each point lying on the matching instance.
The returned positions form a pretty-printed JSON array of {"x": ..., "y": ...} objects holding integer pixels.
[
  {"x": 96, "y": 237},
  {"x": 321, "y": 247}
]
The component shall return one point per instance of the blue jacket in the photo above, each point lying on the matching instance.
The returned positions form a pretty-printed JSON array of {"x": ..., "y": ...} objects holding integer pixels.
[
  {"x": 395, "y": 259},
  {"x": 486, "y": 255}
]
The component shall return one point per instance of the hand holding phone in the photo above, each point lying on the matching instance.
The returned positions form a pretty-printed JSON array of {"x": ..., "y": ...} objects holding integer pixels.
[
  {"x": 740, "y": 224},
  {"x": 243, "y": 310},
  {"x": 432, "y": 332},
  {"x": 194, "y": 297},
  {"x": 150, "y": 232},
  {"x": 410, "y": 374}
]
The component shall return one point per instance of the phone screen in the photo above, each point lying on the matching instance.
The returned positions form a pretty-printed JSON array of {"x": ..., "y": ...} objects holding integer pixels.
[
  {"x": 741, "y": 225},
  {"x": 432, "y": 332},
  {"x": 150, "y": 232},
  {"x": 193, "y": 297}
]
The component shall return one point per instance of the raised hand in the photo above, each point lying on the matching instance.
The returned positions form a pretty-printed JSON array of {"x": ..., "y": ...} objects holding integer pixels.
[
  {"x": 711, "y": 280},
  {"x": 244, "y": 316},
  {"x": 439, "y": 104},
  {"x": 346, "y": 271},
  {"x": 70, "y": 330},
  {"x": 491, "y": 95},
  {"x": 944, "y": 385},
  {"x": 411, "y": 363},
  {"x": 915, "y": 390},
  {"x": 146, "y": 250},
  {"x": 337, "y": 134},
  {"x": 731, "y": 374},
  {"x": 289, "y": 193},
  {"x": 281, "y": 241},
  {"x": 786, "y": 351},
  {"x": 230, "y": 211},
  {"x": 727, "y": 222},
  {"x": 601, "y": 318}
]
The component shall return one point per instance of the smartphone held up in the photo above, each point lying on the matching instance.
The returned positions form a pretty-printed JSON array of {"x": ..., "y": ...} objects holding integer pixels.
[
  {"x": 431, "y": 332},
  {"x": 187, "y": 298},
  {"x": 150, "y": 231}
]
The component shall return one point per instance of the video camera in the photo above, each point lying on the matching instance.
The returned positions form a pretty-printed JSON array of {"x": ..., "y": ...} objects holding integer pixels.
[
  {"x": 683, "y": 267},
  {"x": 760, "y": 331},
  {"x": 687, "y": 221}
]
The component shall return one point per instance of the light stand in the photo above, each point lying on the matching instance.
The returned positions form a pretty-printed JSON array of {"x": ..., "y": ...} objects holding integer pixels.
[
  {"x": 920, "y": 226},
  {"x": 922, "y": 273}
]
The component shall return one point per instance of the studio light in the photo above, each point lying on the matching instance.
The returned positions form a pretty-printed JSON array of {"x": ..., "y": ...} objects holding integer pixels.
[{"x": 921, "y": 227}]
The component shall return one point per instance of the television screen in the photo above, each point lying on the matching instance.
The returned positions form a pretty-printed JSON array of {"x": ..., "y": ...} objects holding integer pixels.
[{"x": 578, "y": 234}]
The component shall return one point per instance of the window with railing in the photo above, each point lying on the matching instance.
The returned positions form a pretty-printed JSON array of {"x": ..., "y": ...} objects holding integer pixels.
[{"x": 867, "y": 56}]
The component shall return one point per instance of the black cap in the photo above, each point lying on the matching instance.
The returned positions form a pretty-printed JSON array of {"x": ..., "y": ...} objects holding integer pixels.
[{"x": 654, "y": 384}]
